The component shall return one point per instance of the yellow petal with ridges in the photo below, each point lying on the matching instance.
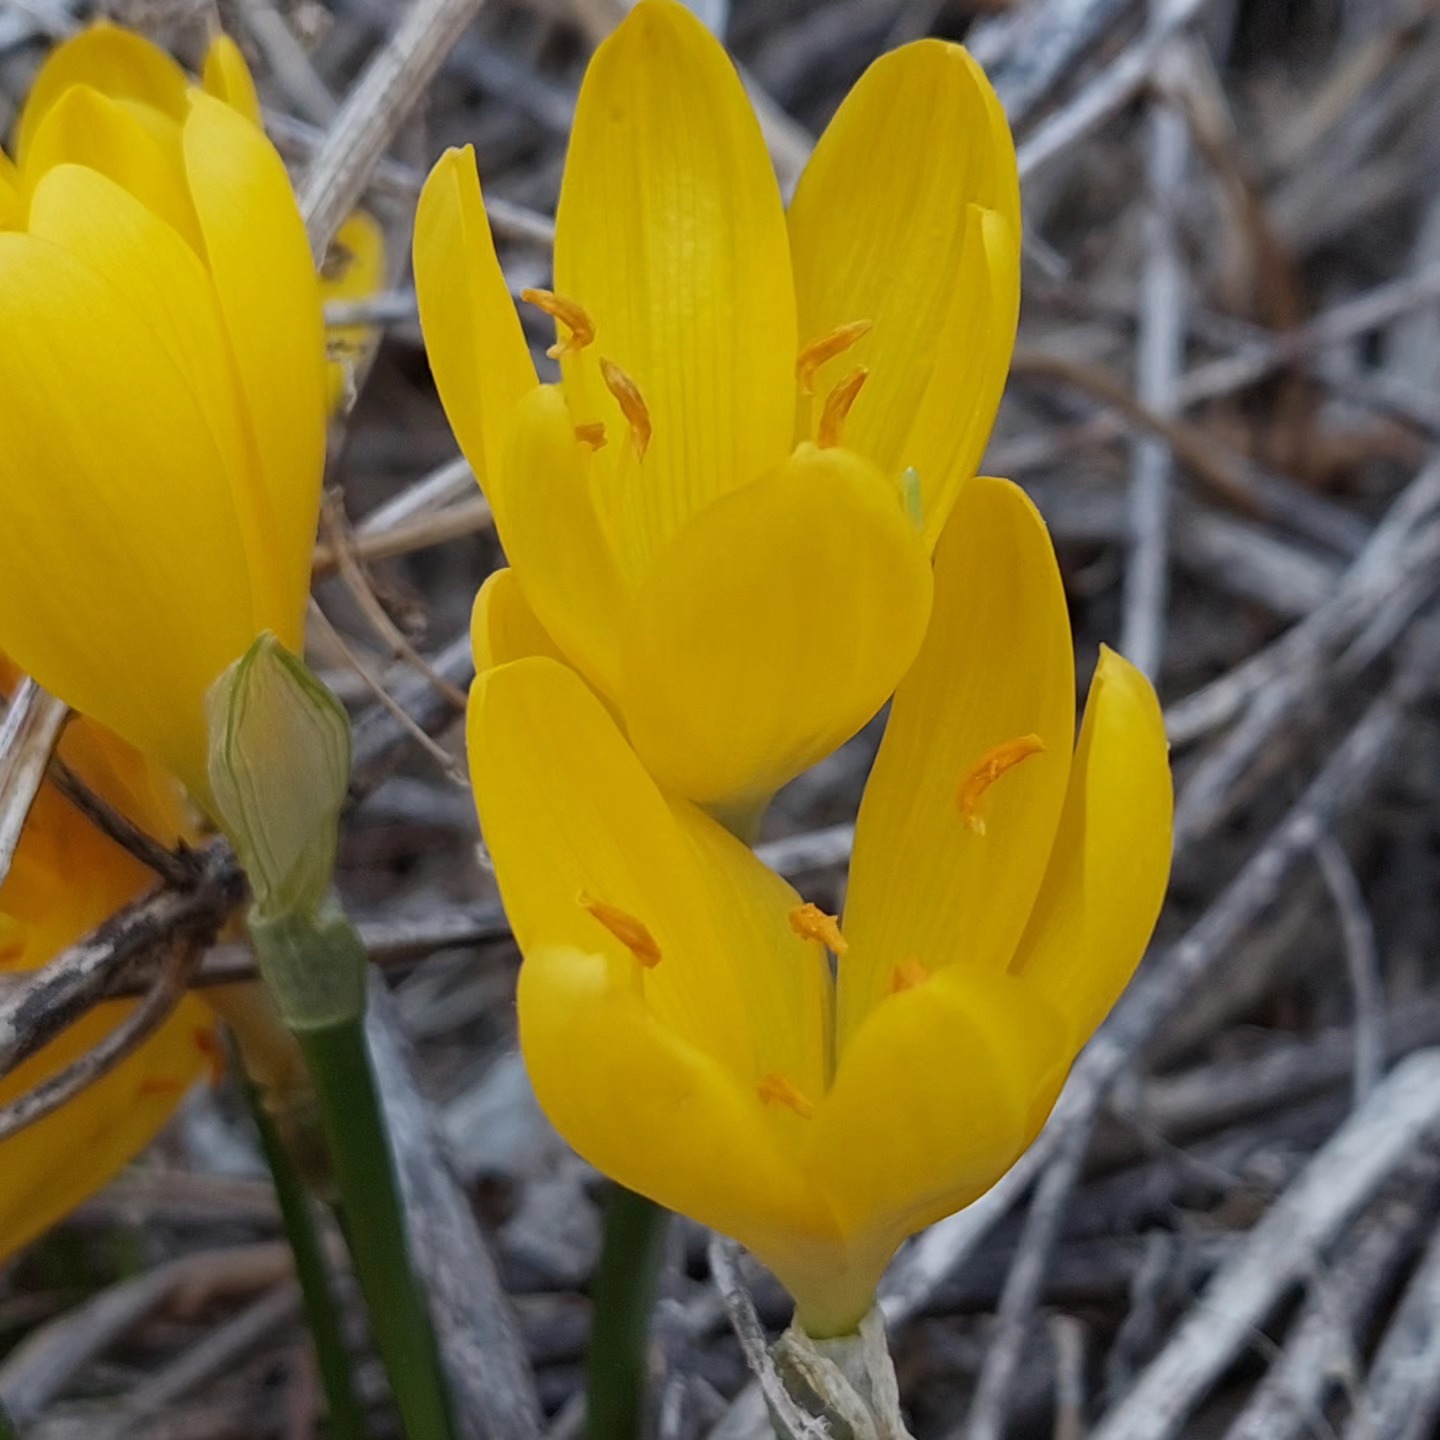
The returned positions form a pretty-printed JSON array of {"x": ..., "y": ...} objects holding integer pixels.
[
  {"x": 227, "y": 77},
  {"x": 101, "y": 537},
  {"x": 477, "y": 349},
  {"x": 654, "y": 1112},
  {"x": 670, "y": 234},
  {"x": 889, "y": 225},
  {"x": 772, "y": 627},
  {"x": 579, "y": 832},
  {"x": 259, "y": 257},
  {"x": 936, "y": 1096},
  {"x": 117, "y": 62},
  {"x": 60, "y": 1161},
  {"x": 555, "y": 539},
  {"x": 1111, "y": 861},
  {"x": 944, "y": 446},
  {"x": 503, "y": 627},
  {"x": 162, "y": 280},
  {"x": 933, "y": 879},
  {"x": 86, "y": 127},
  {"x": 784, "y": 978}
]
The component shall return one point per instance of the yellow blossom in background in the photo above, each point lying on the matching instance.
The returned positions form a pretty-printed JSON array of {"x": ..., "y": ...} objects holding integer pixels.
[
  {"x": 677, "y": 1012},
  {"x": 354, "y": 270},
  {"x": 724, "y": 513},
  {"x": 162, "y": 389},
  {"x": 66, "y": 879}
]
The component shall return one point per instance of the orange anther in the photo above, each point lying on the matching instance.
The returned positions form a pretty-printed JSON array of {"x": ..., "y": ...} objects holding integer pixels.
[
  {"x": 572, "y": 315},
  {"x": 631, "y": 402},
  {"x": 837, "y": 407},
  {"x": 777, "y": 1090},
  {"x": 810, "y": 922},
  {"x": 158, "y": 1085},
  {"x": 906, "y": 976},
  {"x": 827, "y": 347},
  {"x": 629, "y": 931},
  {"x": 987, "y": 770},
  {"x": 591, "y": 434}
]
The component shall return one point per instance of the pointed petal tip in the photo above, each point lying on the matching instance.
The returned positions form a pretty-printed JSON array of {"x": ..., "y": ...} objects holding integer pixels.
[{"x": 226, "y": 75}]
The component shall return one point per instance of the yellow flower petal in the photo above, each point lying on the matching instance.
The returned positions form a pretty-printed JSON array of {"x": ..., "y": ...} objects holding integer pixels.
[
  {"x": 55, "y": 1164},
  {"x": 908, "y": 217},
  {"x": 670, "y": 234},
  {"x": 118, "y": 773},
  {"x": 162, "y": 279},
  {"x": 101, "y": 536},
  {"x": 62, "y": 1160},
  {"x": 269, "y": 295},
  {"x": 591, "y": 857},
  {"x": 555, "y": 539},
  {"x": 477, "y": 349},
  {"x": 12, "y": 202},
  {"x": 772, "y": 627},
  {"x": 119, "y": 63},
  {"x": 353, "y": 270},
  {"x": 1106, "y": 881},
  {"x": 86, "y": 127},
  {"x": 996, "y": 670},
  {"x": 935, "y": 1098},
  {"x": 655, "y": 1112},
  {"x": 227, "y": 77},
  {"x": 503, "y": 627}
]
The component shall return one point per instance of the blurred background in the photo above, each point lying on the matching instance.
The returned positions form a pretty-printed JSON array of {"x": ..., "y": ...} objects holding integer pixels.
[{"x": 1225, "y": 403}]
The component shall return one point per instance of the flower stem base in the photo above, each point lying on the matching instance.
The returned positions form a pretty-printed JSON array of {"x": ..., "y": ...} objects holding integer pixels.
[{"x": 849, "y": 1379}]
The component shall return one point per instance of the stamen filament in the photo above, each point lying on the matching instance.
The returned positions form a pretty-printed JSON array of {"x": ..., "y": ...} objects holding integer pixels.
[
  {"x": 837, "y": 407},
  {"x": 827, "y": 347},
  {"x": 777, "y": 1090},
  {"x": 572, "y": 315},
  {"x": 994, "y": 763},
  {"x": 631, "y": 932},
  {"x": 632, "y": 404}
]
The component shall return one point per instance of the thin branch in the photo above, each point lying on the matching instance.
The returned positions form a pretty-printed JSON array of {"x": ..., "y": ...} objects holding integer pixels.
[
  {"x": 1362, "y": 963},
  {"x": 1280, "y": 1250},
  {"x": 133, "y": 1031},
  {"x": 1159, "y": 359},
  {"x": 375, "y": 109},
  {"x": 28, "y": 737},
  {"x": 175, "y": 867},
  {"x": 76, "y": 979}
]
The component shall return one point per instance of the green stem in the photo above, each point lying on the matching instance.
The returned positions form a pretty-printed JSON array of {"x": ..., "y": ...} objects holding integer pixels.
[
  {"x": 312, "y": 1269},
  {"x": 7, "y": 1426},
  {"x": 374, "y": 1222},
  {"x": 622, "y": 1296}
]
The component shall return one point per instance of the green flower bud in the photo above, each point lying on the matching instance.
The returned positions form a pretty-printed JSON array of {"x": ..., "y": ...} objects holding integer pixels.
[{"x": 279, "y": 772}]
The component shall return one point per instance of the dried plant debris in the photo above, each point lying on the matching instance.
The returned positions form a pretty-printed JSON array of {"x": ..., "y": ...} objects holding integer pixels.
[{"x": 1225, "y": 403}]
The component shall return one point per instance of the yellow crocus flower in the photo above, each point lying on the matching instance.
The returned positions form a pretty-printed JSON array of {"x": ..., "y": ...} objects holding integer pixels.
[
  {"x": 65, "y": 880},
  {"x": 163, "y": 392},
  {"x": 677, "y": 1012},
  {"x": 723, "y": 514}
]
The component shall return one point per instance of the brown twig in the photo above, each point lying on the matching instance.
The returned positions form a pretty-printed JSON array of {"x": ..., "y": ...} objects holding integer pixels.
[{"x": 134, "y": 1030}]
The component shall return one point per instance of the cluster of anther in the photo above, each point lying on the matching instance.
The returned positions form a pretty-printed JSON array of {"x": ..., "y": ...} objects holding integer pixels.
[{"x": 809, "y": 922}]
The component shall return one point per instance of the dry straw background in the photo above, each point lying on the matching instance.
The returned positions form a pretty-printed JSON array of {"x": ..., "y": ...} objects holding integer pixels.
[{"x": 1225, "y": 402}]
